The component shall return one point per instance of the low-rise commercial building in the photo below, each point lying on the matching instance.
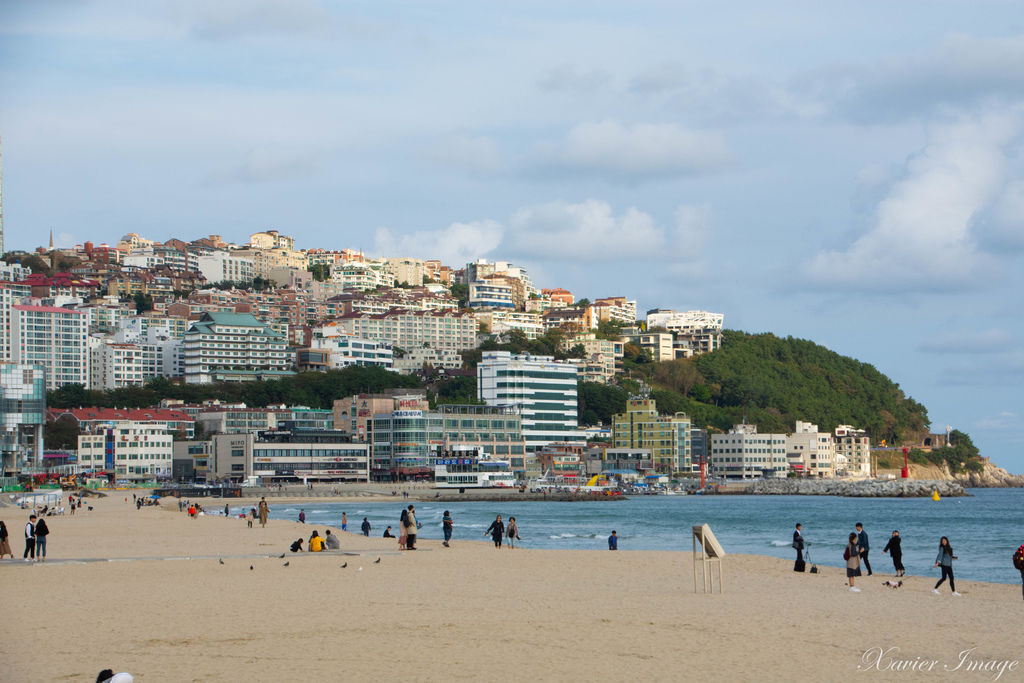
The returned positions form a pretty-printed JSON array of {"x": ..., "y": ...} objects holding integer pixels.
[
  {"x": 810, "y": 453},
  {"x": 131, "y": 450},
  {"x": 744, "y": 454},
  {"x": 853, "y": 452}
]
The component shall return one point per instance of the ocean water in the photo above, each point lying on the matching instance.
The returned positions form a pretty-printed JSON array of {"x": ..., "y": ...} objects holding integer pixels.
[{"x": 984, "y": 528}]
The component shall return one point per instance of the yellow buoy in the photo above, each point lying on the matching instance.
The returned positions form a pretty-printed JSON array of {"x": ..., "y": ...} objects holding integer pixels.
[{"x": 935, "y": 495}]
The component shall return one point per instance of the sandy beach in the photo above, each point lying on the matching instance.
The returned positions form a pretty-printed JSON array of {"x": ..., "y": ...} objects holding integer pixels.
[{"x": 160, "y": 605}]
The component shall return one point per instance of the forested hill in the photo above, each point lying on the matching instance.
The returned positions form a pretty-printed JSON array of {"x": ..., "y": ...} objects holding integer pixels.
[{"x": 775, "y": 381}]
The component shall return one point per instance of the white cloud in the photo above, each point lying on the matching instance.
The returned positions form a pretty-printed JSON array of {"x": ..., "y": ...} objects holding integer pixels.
[
  {"x": 635, "y": 152},
  {"x": 991, "y": 341},
  {"x": 475, "y": 153},
  {"x": 587, "y": 231},
  {"x": 238, "y": 18},
  {"x": 266, "y": 165},
  {"x": 1002, "y": 421},
  {"x": 921, "y": 236},
  {"x": 571, "y": 78},
  {"x": 960, "y": 71},
  {"x": 457, "y": 244},
  {"x": 1003, "y": 227}
]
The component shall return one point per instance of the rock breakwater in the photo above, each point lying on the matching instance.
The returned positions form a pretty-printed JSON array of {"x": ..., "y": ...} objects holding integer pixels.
[{"x": 862, "y": 488}]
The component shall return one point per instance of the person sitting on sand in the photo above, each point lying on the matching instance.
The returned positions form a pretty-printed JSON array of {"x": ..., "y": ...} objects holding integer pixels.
[
  {"x": 316, "y": 544},
  {"x": 297, "y": 546},
  {"x": 388, "y": 534},
  {"x": 108, "y": 676},
  {"x": 331, "y": 541}
]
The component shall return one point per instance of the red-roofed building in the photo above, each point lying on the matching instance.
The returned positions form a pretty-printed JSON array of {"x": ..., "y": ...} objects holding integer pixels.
[
  {"x": 62, "y": 284},
  {"x": 89, "y": 419}
]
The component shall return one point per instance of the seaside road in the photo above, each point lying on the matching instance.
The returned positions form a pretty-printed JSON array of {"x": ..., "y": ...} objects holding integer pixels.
[{"x": 256, "y": 556}]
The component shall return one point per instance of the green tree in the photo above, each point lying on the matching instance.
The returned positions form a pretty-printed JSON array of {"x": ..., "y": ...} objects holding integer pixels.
[
  {"x": 321, "y": 271},
  {"x": 596, "y": 402},
  {"x": 460, "y": 292},
  {"x": 143, "y": 302},
  {"x": 61, "y": 433}
]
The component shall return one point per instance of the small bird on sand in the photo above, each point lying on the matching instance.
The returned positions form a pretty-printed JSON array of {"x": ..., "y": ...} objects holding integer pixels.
[
  {"x": 344, "y": 565},
  {"x": 286, "y": 564},
  {"x": 281, "y": 556},
  {"x": 220, "y": 560},
  {"x": 250, "y": 567},
  {"x": 377, "y": 561},
  {"x": 360, "y": 569}
]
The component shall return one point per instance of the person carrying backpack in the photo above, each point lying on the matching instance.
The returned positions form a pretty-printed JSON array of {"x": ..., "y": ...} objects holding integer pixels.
[{"x": 1018, "y": 564}]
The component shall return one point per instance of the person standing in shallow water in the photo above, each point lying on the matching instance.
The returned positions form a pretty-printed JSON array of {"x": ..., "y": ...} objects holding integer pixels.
[{"x": 897, "y": 553}]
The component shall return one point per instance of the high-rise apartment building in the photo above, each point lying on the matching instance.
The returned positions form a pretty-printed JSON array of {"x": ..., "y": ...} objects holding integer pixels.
[
  {"x": 542, "y": 388},
  {"x": 54, "y": 337}
]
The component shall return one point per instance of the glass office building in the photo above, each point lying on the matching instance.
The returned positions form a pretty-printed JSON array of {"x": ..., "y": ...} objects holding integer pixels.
[{"x": 22, "y": 415}]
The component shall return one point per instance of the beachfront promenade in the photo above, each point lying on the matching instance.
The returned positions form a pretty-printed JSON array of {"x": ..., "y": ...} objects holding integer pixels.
[{"x": 467, "y": 612}]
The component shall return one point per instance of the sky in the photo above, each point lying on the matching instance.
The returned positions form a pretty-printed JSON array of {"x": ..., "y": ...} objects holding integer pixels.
[{"x": 848, "y": 173}]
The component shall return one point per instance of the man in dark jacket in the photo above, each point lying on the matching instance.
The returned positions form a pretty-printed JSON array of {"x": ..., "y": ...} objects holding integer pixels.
[
  {"x": 862, "y": 542},
  {"x": 798, "y": 545}
]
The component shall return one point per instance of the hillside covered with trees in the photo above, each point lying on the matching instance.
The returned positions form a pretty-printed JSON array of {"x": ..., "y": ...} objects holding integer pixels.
[{"x": 769, "y": 381}]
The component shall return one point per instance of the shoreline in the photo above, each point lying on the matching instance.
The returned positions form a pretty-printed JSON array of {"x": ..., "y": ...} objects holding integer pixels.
[{"x": 253, "y": 618}]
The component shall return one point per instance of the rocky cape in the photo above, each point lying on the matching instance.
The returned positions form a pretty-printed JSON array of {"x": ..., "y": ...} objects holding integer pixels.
[
  {"x": 861, "y": 488},
  {"x": 991, "y": 476}
]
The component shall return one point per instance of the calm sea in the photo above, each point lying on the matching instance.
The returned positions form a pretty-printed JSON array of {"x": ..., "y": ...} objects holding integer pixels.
[{"x": 984, "y": 529}]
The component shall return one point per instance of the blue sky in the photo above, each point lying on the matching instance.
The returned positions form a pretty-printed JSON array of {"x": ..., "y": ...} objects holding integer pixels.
[{"x": 851, "y": 175}]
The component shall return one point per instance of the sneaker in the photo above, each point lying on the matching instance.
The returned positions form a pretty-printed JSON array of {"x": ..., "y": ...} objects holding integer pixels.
[
  {"x": 935, "y": 590},
  {"x": 854, "y": 589},
  {"x": 957, "y": 594}
]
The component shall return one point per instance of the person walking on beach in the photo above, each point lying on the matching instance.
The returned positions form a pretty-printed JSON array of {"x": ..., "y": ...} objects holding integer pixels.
[
  {"x": 344, "y": 522},
  {"x": 5, "y": 541},
  {"x": 366, "y": 527},
  {"x": 862, "y": 542},
  {"x": 446, "y": 527},
  {"x": 302, "y": 516},
  {"x": 30, "y": 539},
  {"x": 512, "y": 531},
  {"x": 412, "y": 526},
  {"x": 496, "y": 530},
  {"x": 798, "y": 545},
  {"x": 1018, "y": 563},
  {"x": 944, "y": 560},
  {"x": 897, "y": 553},
  {"x": 42, "y": 531},
  {"x": 264, "y": 511},
  {"x": 403, "y": 530},
  {"x": 852, "y": 557},
  {"x": 613, "y": 541}
]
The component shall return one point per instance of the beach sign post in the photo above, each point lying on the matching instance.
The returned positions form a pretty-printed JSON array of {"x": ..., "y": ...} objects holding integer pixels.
[{"x": 711, "y": 553}]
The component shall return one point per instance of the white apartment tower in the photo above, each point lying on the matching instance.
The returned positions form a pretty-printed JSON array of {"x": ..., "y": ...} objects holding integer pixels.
[{"x": 542, "y": 388}]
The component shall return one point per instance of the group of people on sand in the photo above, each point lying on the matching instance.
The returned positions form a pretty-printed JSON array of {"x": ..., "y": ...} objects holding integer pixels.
[
  {"x": 858, "y": 547},
  {"x": 36, "y": 532},
  {"x": 499, "y": 531},
  {"x": 318, "y": 543}
]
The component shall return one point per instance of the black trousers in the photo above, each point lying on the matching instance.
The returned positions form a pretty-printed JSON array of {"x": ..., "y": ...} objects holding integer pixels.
[
  {"x": 897, "y": 562},
  {"x": 946, "y": 572},
  {"x": 30, "y": 548},
  {"x": 864, "y": 559}
]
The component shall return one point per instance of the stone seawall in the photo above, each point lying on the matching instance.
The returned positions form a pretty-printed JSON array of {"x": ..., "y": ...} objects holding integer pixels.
[{"x": 864, "y": 488}]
